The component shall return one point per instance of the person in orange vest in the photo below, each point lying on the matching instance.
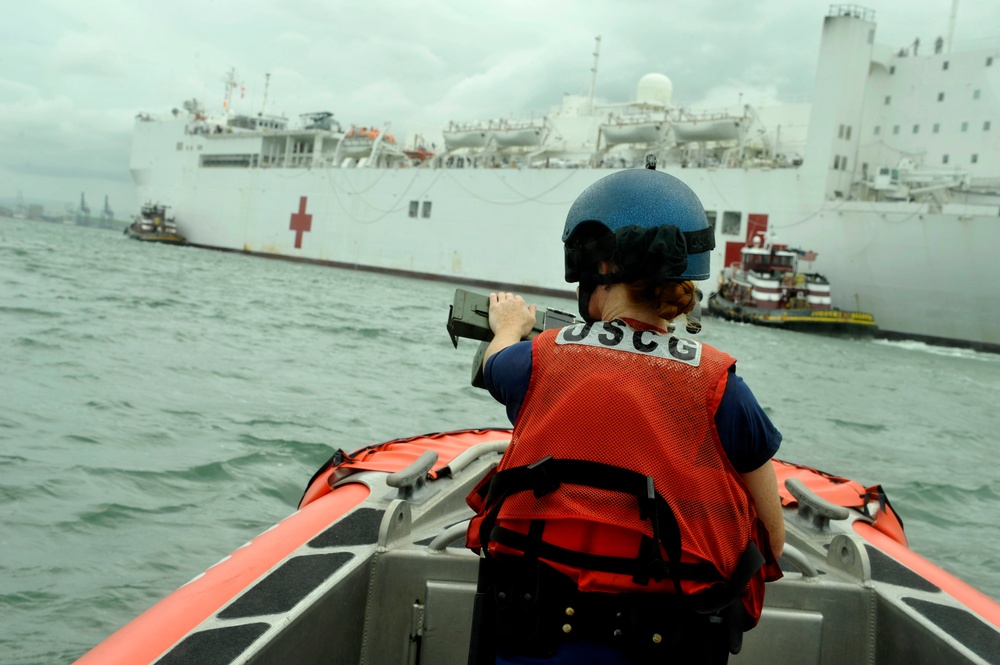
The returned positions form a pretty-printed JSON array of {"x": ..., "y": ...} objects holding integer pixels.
[{"x": 635, "y": 516}]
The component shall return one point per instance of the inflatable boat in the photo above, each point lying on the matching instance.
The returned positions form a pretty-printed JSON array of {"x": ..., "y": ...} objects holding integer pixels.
[{"x": 372, "y": 569}]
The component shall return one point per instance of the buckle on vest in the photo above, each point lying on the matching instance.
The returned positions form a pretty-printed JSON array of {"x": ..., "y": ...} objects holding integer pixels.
[
  {"x": 650, "y": 562},
  {"x": 542, "y": 482},
  {"x": 647, "y": 504}
]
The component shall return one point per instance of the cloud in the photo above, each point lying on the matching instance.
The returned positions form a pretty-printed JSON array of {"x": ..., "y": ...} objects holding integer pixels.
[
  {"x": 15, "y": 92},
  {"x": 292, "y": 40},
  {"x": 86, "y": 55},
  {"x": 71, "y": 86}
]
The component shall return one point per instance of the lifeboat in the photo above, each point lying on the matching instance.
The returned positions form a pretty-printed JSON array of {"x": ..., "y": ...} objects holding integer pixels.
[
  {"x": 465, "y": 138},
  {"x": 418, "y": 154},
  {"x": 360, "y": 141},
  {"x": 616, "y": 133},
  {"x": 518, "y": 136},
  {"x": 691, "y": 130}
]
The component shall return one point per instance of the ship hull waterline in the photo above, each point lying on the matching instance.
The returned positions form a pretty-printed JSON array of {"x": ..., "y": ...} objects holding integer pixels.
[
  {"x": 827, "y": 322},
  {"x": 361, "y": 219}
]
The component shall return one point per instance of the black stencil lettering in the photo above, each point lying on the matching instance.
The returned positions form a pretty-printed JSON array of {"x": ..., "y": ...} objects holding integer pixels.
[
  {"x": 682, "y": 349},
  {"x": 615, "y": 337},
  {"x": 640, "y": 345},
  {"x": 571, "y": 334}
]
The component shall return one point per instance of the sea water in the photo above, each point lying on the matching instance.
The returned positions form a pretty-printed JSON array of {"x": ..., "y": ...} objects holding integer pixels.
[{"x": 162, "y": 405}]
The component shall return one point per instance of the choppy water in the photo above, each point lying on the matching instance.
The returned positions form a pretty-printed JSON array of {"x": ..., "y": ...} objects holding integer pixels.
[{"x": 160, "y": 406}]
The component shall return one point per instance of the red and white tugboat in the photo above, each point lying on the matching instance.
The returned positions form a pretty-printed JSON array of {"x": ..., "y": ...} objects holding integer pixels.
[
  {"x": 153, "y": 225},
  {"x": 767, "y": 288}
]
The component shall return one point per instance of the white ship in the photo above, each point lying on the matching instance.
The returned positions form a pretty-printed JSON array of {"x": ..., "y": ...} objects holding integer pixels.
[{"x": 892, "y": 175}]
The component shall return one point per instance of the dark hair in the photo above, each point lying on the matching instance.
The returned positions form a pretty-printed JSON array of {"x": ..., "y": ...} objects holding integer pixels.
[{"x": 668, "y": 299}]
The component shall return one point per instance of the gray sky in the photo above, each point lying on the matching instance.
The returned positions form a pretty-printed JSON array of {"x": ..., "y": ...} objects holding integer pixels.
[{"x": 74, "y": 73}]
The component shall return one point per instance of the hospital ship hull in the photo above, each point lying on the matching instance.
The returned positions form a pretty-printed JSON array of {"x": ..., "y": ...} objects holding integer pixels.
[{"x": 492, "y": 215}]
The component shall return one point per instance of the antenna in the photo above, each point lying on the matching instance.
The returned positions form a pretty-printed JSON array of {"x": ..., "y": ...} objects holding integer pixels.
[
  {"x": 593, "y": 70},
  {"x": 267, "y": 84},
  {"x": 230, "y": 81}
]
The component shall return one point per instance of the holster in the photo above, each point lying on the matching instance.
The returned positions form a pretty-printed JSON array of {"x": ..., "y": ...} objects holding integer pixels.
[
  {"x": 482, "y": 644},
  {"x": 527, "y": 608}
]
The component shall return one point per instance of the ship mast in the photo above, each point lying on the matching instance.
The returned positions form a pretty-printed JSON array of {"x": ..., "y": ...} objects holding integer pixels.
[
  {"x": 593, "y": 71},
  {"x": 230, "y": 82},
  {"x": 951, "y": 25},
  {"x": 267, "y": 84}
]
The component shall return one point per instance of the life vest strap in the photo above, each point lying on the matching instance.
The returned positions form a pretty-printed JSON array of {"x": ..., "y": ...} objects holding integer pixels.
[
  {"x": 539, "y": 549},
  {"x": 547, "y": 474}
]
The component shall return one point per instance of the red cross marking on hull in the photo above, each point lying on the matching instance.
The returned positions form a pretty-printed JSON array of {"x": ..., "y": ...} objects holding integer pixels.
[{"x": 301, "y": 222}]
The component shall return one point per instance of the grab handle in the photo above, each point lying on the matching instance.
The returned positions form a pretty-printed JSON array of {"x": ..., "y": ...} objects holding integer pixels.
[
  {"x": 814, "y": 508},
  {"x": 413, "y": 477}
]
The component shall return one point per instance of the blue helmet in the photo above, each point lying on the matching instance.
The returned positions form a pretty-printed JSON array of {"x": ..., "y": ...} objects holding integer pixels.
[{"x": 636, "y": 205}]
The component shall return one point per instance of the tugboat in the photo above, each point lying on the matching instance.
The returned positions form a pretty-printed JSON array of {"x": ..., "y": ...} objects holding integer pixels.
[
  {"x": 767, "y": 289},
  {"x": 153, "y": 225}
]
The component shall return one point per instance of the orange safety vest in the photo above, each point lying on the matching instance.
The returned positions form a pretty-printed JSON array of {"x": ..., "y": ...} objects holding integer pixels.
[{"x": 616, "y": 477}]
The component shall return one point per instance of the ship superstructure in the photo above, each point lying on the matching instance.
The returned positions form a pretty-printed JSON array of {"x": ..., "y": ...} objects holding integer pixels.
[{"x": 892, "y": 174}]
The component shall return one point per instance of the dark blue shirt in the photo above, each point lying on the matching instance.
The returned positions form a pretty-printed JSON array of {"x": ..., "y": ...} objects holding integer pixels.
[{"x": 748, "y": 437}]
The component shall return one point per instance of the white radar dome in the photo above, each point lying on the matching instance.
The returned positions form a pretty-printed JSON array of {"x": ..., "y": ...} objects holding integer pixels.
[{"x": 654, "y": 89}]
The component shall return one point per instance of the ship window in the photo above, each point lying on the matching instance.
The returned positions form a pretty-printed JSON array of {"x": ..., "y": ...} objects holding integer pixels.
[
  {"x": 180, "y": 145},
  {"x": 731, "y": 223},
  {"x": 986, "y": 126},
  {"x": 414, "y": 205},
  {"x": 892, "y": 70},
  {"x": 989, "y": 61},
  {"x": 888, "y": 98},
  {"x": 425, "y": 209},
  {"x": 975, "y": 158},
  {"x": 975, "y": 94},
  {"x": 848, "y": 137},
  {"x": 944, "y": 65},
  {"x": 836, "y": 162},
  {"x": 936, "y": 128},
  {"x": 895, "y": 129},
  {"x": 840, "y": 134},
  {"x": 940, "y": 96},
  {"x": 916, "y": 129},
  {"x": 226, "y": 161},
  {"x": 965, "y": 126},
  {"x": 944, "y": 159},
  {"x": 843, "y": 163},
  {"x": 878, "y": 130},
  {"x": 711, "y": 219}
]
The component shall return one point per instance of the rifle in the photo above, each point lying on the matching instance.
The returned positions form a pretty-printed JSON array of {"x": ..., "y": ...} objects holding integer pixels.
[{"x": 468, "y": 317}]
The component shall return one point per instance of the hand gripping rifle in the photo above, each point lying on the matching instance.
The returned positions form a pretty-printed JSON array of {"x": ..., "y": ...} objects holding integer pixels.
[{"x": 468, "y": 317}]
